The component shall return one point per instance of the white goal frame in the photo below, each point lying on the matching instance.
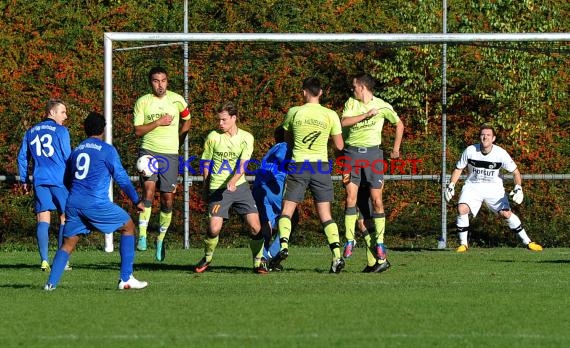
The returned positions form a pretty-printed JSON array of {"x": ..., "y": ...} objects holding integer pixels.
[{"x": 427, "y": 38}]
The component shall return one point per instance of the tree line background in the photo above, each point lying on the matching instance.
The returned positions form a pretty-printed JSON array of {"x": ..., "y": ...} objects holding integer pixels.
[{"x": 55, "y": 49}]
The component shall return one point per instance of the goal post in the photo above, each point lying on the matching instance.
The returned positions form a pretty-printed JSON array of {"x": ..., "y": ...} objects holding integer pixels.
[{"x": 420, "y": 38}]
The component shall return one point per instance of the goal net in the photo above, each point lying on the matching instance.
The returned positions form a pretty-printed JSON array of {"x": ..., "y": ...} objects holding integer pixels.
[{"x": 505, "y": 79}]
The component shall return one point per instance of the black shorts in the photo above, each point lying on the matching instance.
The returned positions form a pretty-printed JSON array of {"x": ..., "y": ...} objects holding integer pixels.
[
  {"x": 221, "y": 200},
  {"x": 166, "y": 171},
  {"x": 367, "y": 165},
  {"x": 316, "y": 176}
]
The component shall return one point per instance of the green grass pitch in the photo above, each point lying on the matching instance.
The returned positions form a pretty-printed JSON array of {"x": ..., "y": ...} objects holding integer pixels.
[{"x": 503, "y": 297}]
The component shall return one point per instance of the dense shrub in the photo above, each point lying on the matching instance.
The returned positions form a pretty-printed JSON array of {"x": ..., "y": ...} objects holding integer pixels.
[{"x": 54, "y": 49}]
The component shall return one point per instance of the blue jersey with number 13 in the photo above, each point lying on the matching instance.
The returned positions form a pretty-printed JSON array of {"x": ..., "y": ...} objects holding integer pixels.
[{"x": 47, "y": 143}]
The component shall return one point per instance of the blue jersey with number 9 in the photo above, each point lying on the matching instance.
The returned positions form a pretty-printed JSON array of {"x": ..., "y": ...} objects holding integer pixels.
[{"x": 91, "y": 166}]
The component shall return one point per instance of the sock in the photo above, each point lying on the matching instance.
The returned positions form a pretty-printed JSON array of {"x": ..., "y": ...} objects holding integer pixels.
[
  {"x": 331, "y": 231},
  {"x": 209, "y": 247},
  {"x": 463, "y": 228},
  {"x": 515, "y": 225},
  {"x": 42, "y": 235},
  {"x": 370, "y": 259},
  {"x": 58, "y": 267},
  {"x": 144, "y": 218},
  {"x": 350, "y": 217},
  {"x": 274, "y": 247},
  {"x": 164, "y": 221},
  {"x": 256, "y": 246},
  {"x": 127, "y": 251},
  {"x": 284, "y": 231},
  {"x": 60, "y": 236},
  {"x": 380, "y": 226}
]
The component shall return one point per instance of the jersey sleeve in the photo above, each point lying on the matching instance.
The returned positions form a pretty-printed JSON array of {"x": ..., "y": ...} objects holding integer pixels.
[
  {"x": 335, "y": 122},
  {"x": 388, "y": 113},
  {"x": 23, "y": 157},
  {"x": 289, "y": 118},
  {"x": 183, "y": 110},
  {"x": 281, "y": 152},
  {"x": 350, "y": 108},
  {"x": 462, "y": 162},
  {"x": 120, "y": 175},
  {"x": 508, "y": 163},
  {"x": 65, "y": 143}
]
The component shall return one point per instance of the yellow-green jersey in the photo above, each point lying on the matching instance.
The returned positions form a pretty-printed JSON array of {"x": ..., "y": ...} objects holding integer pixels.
[
  {"x": 224, "y": 154},
  {"x": 368, "y": 132},
  {"x": 311, "y": 125},
  {"x": 149, "y": 108}
]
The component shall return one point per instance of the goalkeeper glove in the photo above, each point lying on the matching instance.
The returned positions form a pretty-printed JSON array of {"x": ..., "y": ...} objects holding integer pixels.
[
  {"x": 517, "y": 194},
  {"x": 450, "y": 191}
]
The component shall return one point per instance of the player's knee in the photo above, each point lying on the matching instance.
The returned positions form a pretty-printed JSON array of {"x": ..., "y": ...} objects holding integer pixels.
[
  {"x": 213, "y": 232},
  {"x": 505, "y": 214},
  {"x": 463, "y": 209}
]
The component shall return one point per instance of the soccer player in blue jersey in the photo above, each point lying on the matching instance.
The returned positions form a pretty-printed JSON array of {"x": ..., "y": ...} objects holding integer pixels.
[
  {"x": 47, "y": 144},
  {"x": 90, "y": 168},
  {"x": 268, "y": 191}
]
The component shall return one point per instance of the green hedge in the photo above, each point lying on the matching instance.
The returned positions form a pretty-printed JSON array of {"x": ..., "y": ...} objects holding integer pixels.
[{"x": 54, "y": 49}]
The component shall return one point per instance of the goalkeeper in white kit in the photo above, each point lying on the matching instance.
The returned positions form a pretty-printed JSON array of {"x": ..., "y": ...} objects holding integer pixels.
[{"x": 484, "y": 184}]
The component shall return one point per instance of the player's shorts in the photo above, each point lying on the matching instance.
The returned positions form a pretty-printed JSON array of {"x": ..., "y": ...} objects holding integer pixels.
[
  {"x": 50, "y": 198},
  {"x": 222, "y": 200},
  {"x": 165, "y": 171},
  {"x": 106, "y": 218},
  {"x": 317, "y": 178},
  {"x": 492, "y": 194},
  {"x": 367, "y": 165},
  {"x": 268, "y": 203}
]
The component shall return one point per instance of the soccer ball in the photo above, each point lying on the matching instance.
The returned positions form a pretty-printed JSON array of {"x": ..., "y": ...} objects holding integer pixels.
[{"x": 146, "y": 165}]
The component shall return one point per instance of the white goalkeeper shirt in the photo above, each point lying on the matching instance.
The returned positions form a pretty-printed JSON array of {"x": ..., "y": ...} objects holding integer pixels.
[{"x": 485, "y": 168}]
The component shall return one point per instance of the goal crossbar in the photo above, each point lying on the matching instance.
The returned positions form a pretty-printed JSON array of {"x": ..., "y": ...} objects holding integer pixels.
[{"x": 433, "y": 38}]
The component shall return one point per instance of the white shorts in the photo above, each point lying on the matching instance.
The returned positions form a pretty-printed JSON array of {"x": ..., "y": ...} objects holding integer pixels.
[{"x": 493, "y": 195}]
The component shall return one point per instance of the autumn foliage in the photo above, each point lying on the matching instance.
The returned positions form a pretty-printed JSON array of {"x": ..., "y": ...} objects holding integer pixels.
[{"x": 55, "y": 49}]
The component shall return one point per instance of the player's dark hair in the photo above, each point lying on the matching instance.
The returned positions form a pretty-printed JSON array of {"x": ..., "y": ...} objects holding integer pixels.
[
  {"x": 52, "y": 103},
  {"x": 154, "y": 71},
  {"x": 229, "y": 106},
  {"x": 312, "y": 85},
  {"x": 279, "y": 134},
  {"x": 488, "y": 126},
  {"x": 366, "y": 80},
  {"x": 94, "y": 124}
]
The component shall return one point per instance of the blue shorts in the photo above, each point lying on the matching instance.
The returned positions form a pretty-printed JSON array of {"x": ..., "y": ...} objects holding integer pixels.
[
  {"x": 50, "y": 198},
  {"x": 106, "y": 218}
]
